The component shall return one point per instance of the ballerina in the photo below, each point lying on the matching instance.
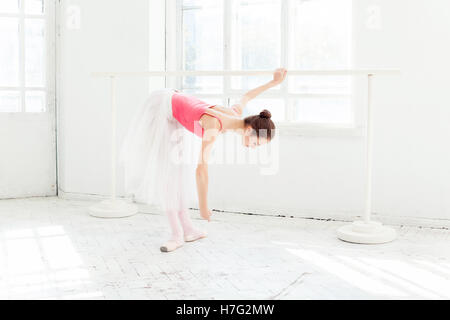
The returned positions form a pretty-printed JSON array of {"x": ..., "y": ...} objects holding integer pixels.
[{"x": 158, "y": 146}]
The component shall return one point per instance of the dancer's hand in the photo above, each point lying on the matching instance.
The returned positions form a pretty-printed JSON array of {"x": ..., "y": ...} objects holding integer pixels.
[
  {"x": 278, "y": 76},
  {"x": 206, "y": 214}
]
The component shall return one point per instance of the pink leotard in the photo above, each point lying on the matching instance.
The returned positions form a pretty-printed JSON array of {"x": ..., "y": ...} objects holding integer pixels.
[{"x": 188, "y": 110}]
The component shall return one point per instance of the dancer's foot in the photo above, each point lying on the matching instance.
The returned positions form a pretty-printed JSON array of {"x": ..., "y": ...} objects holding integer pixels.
[
  {"x": 194, "y": 235},
  {"x": 171, "y": 245},
  {"x": 206, "y": 214}
]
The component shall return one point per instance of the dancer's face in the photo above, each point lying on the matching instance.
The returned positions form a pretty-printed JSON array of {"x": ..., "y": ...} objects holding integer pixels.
[{"x": 251, "y": 140}]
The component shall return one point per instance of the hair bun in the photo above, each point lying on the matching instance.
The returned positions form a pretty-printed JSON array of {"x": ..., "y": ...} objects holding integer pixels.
[{"x": 265, "y": 114}]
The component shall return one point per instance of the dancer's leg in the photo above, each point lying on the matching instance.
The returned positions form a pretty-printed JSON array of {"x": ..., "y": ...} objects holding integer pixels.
[
  {"x": 190, "y": 232},
  {"x": 176, "y": 239}
]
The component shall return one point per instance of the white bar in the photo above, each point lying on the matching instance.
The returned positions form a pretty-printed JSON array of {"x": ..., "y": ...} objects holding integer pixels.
[
  {"x": 369, "y": 151},
  {"x": 285, "y": 47},
  {"x": 244, "y": 73},
  {"x": 277, "y": 95},
  {"x": 228, "y": 28},
  {"x": 22, "y": 55},
  {"x": 20, "y": 88},
  {"x": 113, "y": 138},
  {"x": 26, "y": 16}
]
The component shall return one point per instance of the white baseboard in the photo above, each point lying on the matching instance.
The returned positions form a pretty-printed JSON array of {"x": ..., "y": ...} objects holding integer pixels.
[
  {"x": 340, "y": 216},
  {"x": 344, "y": 216}
]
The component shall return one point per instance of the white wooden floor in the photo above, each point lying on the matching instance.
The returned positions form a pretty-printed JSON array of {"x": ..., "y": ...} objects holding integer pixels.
[{"x": 51, "y": 248}]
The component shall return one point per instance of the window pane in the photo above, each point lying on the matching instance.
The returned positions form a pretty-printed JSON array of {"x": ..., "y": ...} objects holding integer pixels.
[
  {"x": 193, "y": 84},
  {"x": 323, "y": 110},
  {"x": 249, "y": 82},
  {"x": 275, "y": 106},
  {"x": 9, "y": 52},
  {"x": 35, "y": 52},
  {"x": 321, "y": 84},
  {"x": 35, "y": 101},
  {"x": 9, "y": 6},
  {"x": 256, "y": 39},
  {"x": 213, "y": 101},
  {"x": 34, "y": 6},
  {"x": 322, "y": 34},
  {"x": 321, "y": 39},
  {"x": 10, "y": 101},
  {"x": 195, "y": 2},
  {"x": 203, "y": 45}
]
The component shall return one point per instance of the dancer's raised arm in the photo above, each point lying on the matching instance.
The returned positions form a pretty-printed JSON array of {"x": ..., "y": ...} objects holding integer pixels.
[{"x": 278, "y": 77}]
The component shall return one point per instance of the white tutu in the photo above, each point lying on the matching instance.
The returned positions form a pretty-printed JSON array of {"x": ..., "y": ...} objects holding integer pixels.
[{"x": 159, "y": 156}]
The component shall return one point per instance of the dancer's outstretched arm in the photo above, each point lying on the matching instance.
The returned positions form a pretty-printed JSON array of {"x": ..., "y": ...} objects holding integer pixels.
[
  {"x": 278, "y": 77},
  {"x": 211, "y": 129}
]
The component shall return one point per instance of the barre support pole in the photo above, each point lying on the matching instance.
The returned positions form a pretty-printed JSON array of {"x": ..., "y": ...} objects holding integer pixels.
[
  {"x": 113, "y": 207},
  {"x": 367, "y": 231}
]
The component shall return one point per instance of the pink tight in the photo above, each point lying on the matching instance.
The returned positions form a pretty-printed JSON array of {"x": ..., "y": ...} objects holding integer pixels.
[
  {"x": 181, "y": 225},
  {"x": 181, "y": 228}
]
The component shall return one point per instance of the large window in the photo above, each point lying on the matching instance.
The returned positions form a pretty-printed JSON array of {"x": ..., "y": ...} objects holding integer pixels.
[
  {"x": 264, "y": 35},
  {"x": 24, "y": 35}
]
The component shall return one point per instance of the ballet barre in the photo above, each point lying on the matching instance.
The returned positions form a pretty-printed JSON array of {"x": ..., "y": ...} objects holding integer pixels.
[
  {"x": 365, "y": 231},
  {"x": 232, "y": 73}
]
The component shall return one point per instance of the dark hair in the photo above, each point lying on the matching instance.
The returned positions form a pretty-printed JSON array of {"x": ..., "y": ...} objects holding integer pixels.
[{"x": 261, "y": 122}]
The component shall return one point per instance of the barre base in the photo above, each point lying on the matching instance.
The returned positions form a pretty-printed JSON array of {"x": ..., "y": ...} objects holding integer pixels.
[
  {"x": 366, "y": 233},
  {"x": 113, "y": 208}
]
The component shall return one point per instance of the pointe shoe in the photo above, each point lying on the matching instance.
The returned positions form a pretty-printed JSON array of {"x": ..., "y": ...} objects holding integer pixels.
[
  {"x": 196, "y": 235},
  {"x": 171, "y": 245}
]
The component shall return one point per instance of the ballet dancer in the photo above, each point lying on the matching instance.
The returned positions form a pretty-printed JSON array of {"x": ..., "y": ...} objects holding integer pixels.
[{"x": 160, "y": 137}]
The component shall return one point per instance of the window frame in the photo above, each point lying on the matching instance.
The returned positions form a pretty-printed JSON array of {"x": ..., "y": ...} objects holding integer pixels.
[
  {"x": 49, "y": 87},
  {"x": 174, "y": 61}
]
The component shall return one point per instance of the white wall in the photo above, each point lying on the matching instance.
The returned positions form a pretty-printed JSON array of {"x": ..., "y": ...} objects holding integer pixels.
[
  {"x": 412, "y": 177},
  {"x": 318, "y": 176},
  {"x": 27, "y": 156},
  {"x": 113, "y": 35}
]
